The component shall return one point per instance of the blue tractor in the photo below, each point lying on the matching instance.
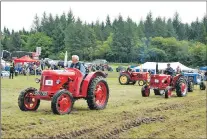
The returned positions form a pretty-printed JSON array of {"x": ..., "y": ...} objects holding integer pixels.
[{"x": 196, "y": 79}]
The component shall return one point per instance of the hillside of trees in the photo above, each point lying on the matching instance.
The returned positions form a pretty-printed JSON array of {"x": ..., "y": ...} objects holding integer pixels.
[{"x": 152, "y": 39}]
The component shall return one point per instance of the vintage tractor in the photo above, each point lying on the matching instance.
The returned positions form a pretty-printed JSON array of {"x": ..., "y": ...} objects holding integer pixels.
[
  {"x": 195, "y": 79},
  {"x": 63, "y": 87},
  {"x": 130, "y": 77},
  {"x": 164, "y": 85}
]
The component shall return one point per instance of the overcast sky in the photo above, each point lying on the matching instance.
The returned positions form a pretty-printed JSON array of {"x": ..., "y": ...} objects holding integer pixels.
[{"x": 16, "y": 15}]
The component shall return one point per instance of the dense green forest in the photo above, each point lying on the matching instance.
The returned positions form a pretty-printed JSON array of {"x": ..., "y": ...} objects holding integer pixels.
[{"x": 152, "y": 39}]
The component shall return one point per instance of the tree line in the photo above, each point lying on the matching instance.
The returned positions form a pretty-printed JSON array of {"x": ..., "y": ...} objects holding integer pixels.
[{"x": 152, "y": 39}]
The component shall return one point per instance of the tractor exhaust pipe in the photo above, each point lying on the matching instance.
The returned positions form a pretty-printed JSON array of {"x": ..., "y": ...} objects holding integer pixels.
[{"x": 156, "y": 71}]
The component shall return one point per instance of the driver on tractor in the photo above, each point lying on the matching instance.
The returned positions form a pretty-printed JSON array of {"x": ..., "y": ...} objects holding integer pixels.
[
  {"x": 76, "y": 64},
  {"x": 169, "y": 70}
]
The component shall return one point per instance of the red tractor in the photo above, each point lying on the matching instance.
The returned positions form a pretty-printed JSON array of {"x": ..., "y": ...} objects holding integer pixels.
[
  {"x": 127, "y": 77},
  {"x": 164, "y": 85},
  {"x": 63, "y": 87}
]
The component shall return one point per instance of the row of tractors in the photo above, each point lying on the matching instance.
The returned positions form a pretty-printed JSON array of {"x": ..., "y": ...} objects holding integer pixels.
[
  {"x": 64, "y": 87},
  {"x": 162, "y": 84}
]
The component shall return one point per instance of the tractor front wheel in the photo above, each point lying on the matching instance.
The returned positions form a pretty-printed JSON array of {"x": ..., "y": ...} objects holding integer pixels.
[
  {"x": 145, "y": 91},
  {"x": 27, "y": 101},
  {"x": 62, "y": 102},
  {"x": 168, "y": 92},
  {"x": 141, "y": 82},
  {"x": 202, "y": 86},
  {"x": 181, "y": 87}
]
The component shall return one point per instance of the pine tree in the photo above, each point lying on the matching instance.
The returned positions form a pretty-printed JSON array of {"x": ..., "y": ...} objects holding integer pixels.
[{"x": 148, "y": 26}]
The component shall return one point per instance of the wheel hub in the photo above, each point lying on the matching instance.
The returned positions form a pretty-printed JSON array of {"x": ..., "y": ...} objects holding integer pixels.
[
  {"x": 183, "y": 88},
  {"x": 100, "y": 94},
  {"x": 64, "y": 104},
  {"x": 123, "y": 79},
  {"x": 29, "y": 101}
]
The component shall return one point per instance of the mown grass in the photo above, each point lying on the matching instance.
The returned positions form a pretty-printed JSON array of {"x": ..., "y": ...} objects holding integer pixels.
[{"x": 187, "y": 120}]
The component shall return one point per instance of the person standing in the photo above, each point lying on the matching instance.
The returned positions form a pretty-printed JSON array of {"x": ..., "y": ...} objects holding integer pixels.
[{"x": 11, "y": 74}]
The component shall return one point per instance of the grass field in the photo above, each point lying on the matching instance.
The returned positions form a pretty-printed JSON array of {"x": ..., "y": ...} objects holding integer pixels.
[{"x": 127, "y": 115}]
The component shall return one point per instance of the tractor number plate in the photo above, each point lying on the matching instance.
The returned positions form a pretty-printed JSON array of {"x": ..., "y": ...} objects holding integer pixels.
[
  {"x": 40, "y": 93},
  {"x": 49, "y": 82}
]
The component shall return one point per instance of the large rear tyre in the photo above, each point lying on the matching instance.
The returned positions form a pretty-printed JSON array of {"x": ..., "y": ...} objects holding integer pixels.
[
  {"x": 98, "y": 93},
  {"x": 202, "y": 86},
  {"x": 62, "y": 102},
  {"x": 124, "y": 79},
  {"x": 26, "y": 100},
  {"x": 145, "y": 91},
  {"x": 181, "y": 87}
]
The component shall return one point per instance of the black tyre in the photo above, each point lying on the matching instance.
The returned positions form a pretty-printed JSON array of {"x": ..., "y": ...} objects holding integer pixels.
[
  {"x": 141, "y": 82},
  {"x": 62, "y": 102},
  {"x": 124, "y": 79},
  {"x": 145, "y": 91},
  {"x": 202, "y": 86},
  {"x": 98, "y": 93},
  {"x": 168, "y": 92},
  {"x": 157, "y": 92},
  {"x": 181, "y": 87},
  {"x": 26, "y": 101},
  {"x": 190, "y": 86}
]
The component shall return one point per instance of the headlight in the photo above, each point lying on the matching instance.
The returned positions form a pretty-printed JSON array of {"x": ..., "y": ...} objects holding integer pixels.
[
  {"x": 156, "y": 81},
  {"x": 58, "y": 81}
]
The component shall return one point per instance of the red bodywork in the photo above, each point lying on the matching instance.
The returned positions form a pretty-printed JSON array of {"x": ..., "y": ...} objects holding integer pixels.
[
  {"x": 162, "y": 81},
  {"x": 137, "y": 76},
  {"x": 70, "y": 79}
]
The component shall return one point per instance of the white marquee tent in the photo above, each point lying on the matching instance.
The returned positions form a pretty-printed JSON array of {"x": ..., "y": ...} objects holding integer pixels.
[{"x": 163, "y": 66}]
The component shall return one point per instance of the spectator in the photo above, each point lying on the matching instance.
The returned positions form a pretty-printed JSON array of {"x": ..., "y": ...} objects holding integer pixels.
[
  {"x": 178, "y": 70},
  {"x": 11, "y": 74}
]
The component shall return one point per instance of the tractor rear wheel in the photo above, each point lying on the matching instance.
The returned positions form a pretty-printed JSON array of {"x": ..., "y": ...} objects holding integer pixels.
[
  {"x": 190, "y": 86},
  {"x": 98, "y": 93},
  {"x": 168, "y": 92},
  {"x": 157, "y": 92},
  {"x": 62, "y": 102},
  {"x": 26, "y": 100},
  {"x": 124, "y": 79},
  {"x": 202, "y": 86},
  {"x": 145, "y": 91},
  {"x": 181, "y": 87},
  {"x": 141, "y": 82}
]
